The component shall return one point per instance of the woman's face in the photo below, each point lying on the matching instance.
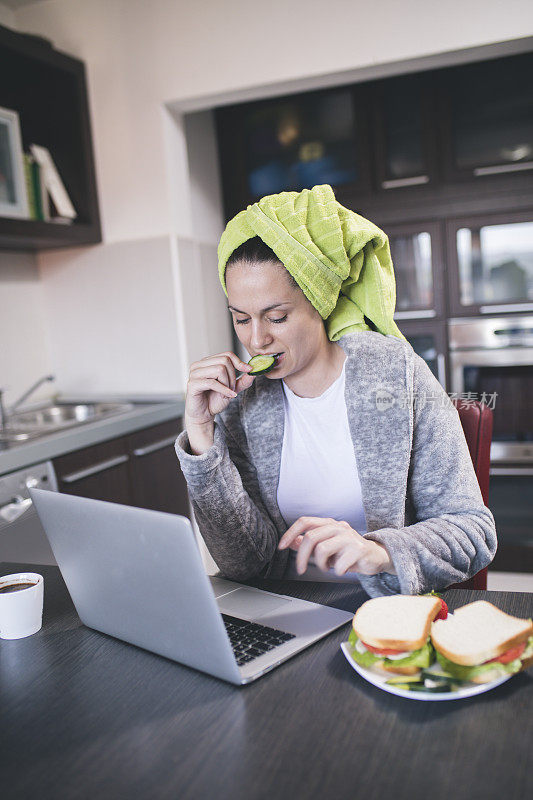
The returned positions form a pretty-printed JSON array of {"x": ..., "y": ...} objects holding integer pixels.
[{"x": 271, "y": 316}]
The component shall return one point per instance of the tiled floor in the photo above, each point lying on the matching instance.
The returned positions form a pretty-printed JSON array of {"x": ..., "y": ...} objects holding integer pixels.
[{"x": 510, "y": 581}]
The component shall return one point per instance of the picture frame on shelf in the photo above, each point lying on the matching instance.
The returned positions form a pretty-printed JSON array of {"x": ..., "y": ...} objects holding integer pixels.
[{"x": 13, "y": 194}]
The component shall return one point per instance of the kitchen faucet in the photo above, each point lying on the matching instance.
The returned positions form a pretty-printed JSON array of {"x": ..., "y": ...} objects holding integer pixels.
[{"x": 4, "y": 412}]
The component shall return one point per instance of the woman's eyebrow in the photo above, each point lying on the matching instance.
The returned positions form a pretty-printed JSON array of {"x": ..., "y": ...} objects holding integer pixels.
[{"x": 268, "y": 308}]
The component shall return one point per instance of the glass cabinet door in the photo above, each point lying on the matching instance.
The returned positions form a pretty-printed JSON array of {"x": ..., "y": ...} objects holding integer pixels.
[
  {"x": 416, "y": 257},
  {"x": 402, "y": 134},
  {"x": 428, "y": 340},
  {"x": 494, "y": 263},
  {"x": 490, "y": 116},
  {"x": 296, "y": 142}
]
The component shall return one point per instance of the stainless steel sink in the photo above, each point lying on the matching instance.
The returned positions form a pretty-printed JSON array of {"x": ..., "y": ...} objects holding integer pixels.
[{"x": 50, "y": 417}]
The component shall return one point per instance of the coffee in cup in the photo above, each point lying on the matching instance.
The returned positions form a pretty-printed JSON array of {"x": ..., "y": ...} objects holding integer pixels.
[
  {"x": 15, "y": 587},
  {"x": 21, "y": 604}
]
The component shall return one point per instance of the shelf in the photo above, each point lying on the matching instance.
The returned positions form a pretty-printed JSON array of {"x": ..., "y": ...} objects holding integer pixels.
[
  {"x": 33, "y": 235},
  {"x": 48, "y": 90}
]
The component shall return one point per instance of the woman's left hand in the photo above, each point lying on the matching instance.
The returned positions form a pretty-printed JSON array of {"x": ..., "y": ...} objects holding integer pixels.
[{"x": 334, "y": 544}]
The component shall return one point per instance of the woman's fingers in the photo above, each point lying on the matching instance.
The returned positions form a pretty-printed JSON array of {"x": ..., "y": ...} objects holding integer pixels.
[
  {"x": 295, "y": 544},
  {"x": 243, "y": 382},
  {"x": 229, "y": 359},
  {"x": 325, "y": 550},
  {"x": 312, "y": 539},
  {"x": 334, "y": 543},
  {"x": 348, "y": 560},
  {"x": 215, "y": 366},
  {"x": 299, "y": 527},
  {"x": 212, "y": 385},
  {"x": 223, "y": 372}
]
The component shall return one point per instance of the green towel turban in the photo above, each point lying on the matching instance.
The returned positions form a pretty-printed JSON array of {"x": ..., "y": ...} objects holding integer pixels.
[{"x": 340, "y": 260}]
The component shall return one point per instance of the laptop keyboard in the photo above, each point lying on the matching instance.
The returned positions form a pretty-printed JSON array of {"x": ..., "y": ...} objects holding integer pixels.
[{"x": 250, "y": 640}]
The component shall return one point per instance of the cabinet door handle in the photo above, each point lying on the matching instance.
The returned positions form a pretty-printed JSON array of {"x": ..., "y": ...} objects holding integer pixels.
[
  {"x": 502, "y": 168},
  {"x": 399, "y": 182},
  {"x": 101, "y": 467},
  {"x": 151, "y": 448},
  {"x": 511, "y": 472},
  {"x": 426, "y": 313}
]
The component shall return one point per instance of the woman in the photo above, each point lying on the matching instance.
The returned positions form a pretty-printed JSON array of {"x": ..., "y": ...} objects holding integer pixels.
[{"x": 348, "y": 454}]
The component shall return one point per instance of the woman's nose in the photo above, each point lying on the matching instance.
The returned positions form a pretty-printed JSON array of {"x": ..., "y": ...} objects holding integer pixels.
[{"x": 260, "y": 337}]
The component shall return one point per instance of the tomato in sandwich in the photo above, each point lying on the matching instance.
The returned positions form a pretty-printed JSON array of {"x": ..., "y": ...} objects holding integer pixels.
[
  {"x": 510, "y": 655},
  {"x": 382, "y": 651}
]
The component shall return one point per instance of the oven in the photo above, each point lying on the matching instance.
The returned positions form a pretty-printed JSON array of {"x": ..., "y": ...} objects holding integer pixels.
[{"x": 491, "y": 359}]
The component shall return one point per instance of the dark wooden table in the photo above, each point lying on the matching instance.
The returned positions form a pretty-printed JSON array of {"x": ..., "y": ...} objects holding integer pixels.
[{"x": 83, "y": 715}]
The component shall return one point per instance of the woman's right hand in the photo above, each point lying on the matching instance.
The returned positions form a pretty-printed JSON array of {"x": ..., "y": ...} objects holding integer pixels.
[{"x": 212, "y": 384}]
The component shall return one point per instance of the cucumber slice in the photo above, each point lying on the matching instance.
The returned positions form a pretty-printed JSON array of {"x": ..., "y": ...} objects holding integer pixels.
[
  {"x": 438, "y": 684},
  {"x": 404, "y": 679},
  {"x": 443, "y": 677},
  {"x": 262, "y": 364},
  {"x": 406, "y": 686},
  {"x": 429, "y": 689},
  {"x": 434, "y": 674}
]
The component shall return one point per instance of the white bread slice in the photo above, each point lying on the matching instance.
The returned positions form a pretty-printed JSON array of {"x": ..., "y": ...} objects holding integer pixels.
[
  {"x": 488, "y": 676},
  {"x": 398, "y": 621},
  {"x": 477, "y": 632},
  {"x": 381, "y": 667},
  {"x": 399, "y": 670}
]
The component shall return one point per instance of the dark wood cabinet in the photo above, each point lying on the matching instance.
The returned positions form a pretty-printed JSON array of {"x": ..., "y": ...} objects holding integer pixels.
[
  {"x": 487, "y": 118},
  {"x": 294, "y": 142},
  {"x": 100, "y": 472},
  {"x": 48, "y": 90},
  {"x": 140, "y": 470},
  {"x": 429, "y": 339},
  {"x": 405, "y": 139},
  {"x": 417, "y": 255},
  {"x": 157, "y": 481},
  {"x": 432, "y": 144}
]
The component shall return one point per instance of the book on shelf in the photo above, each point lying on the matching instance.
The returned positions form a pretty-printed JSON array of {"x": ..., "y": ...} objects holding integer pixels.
[
  {"x": 38, "y": 199},
  {"x": 61, "y": 209}
]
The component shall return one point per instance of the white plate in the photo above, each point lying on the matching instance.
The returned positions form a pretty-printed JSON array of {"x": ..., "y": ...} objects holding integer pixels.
[{"x": 380, "y": 681}]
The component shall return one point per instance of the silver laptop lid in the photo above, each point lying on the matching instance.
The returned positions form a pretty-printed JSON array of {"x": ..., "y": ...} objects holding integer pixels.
[{"x": 115, "y": 561}]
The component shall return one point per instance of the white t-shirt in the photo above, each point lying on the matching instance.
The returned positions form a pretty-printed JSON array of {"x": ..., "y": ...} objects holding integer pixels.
[{"x": 318, "y": 474}]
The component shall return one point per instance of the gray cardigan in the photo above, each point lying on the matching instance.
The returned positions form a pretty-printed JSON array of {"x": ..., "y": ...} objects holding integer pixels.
[{"x": 420, "y": 493}]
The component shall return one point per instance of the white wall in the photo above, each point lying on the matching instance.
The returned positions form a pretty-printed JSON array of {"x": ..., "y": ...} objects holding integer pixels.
[
  {"x": 7, "y": 17},
  {"x": 112, "y": 318},
  {"x": 148, "y": 63},
  {"x": 24, "y": 353},
  {"x": 142, "y": 54}
]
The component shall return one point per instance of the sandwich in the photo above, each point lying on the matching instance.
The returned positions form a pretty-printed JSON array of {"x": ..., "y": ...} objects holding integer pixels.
[
  {"x": 392, "y": 633},
  {"x": 480, "y": 643}
]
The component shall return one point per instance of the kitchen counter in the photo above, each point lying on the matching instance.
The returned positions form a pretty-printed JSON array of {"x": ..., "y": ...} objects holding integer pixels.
[{"x": 148, "y": 411}]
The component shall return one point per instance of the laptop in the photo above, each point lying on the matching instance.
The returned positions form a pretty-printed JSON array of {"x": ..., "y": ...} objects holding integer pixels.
[{"x": 138, "y": 575}]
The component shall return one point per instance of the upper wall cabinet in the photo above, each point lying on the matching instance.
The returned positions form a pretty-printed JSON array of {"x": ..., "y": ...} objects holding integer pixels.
[
  {"x": 403, "y": 134},
  {"x": 47, "y": 90},
  {"x": 488, "y": 118},
  {"x": 444, "y": 142},
  {"x": 293, "y": 143}
]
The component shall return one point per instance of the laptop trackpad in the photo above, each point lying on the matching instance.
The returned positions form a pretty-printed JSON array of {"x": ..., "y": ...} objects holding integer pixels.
[{"x": 249, "y": 603}]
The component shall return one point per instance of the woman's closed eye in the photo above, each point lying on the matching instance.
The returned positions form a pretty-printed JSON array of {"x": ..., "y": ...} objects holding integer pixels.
[{"x": 244, "y": 321}]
